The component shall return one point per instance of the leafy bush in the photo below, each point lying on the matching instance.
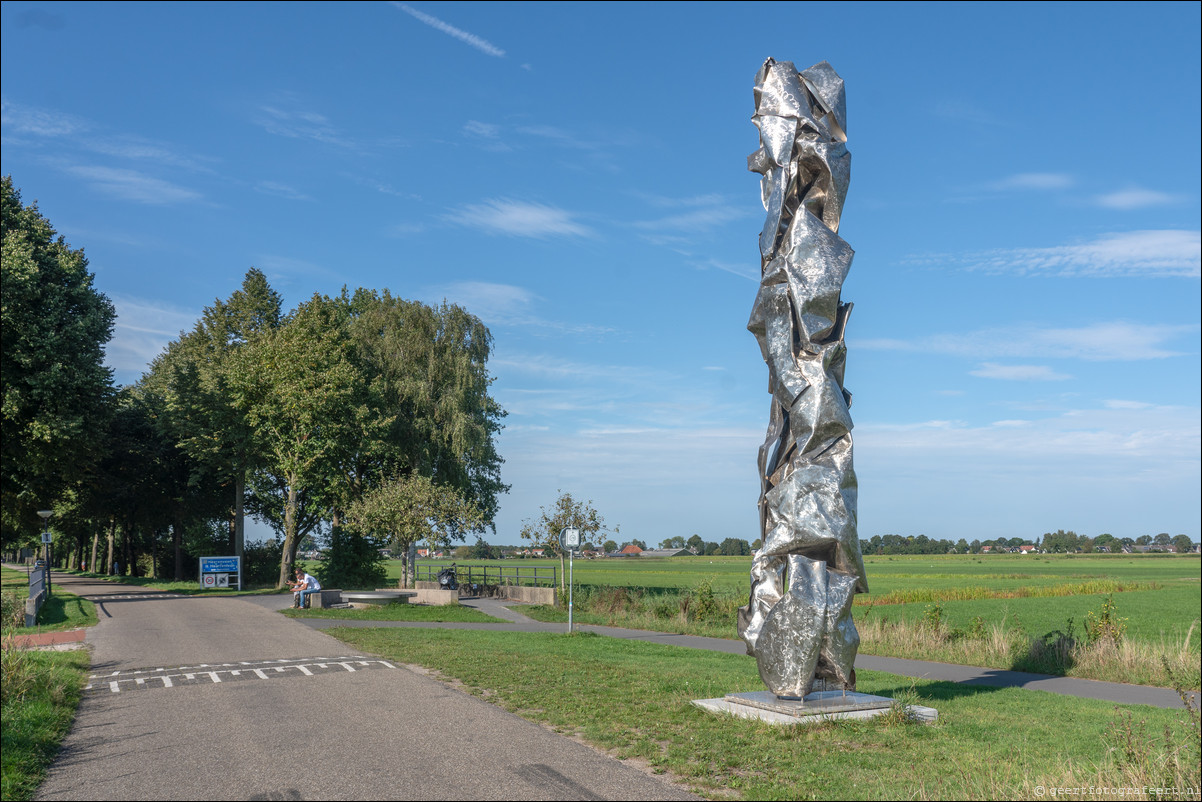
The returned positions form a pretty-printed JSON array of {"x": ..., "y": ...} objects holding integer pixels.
[
  {"x": 261, "y": 563},
  {"x": 352, "y": 561},
  {"x": 1105, "y": 625}
]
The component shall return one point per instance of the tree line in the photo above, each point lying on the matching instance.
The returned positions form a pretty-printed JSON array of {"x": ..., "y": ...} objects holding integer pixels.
[{"x": 363, "y": 417}]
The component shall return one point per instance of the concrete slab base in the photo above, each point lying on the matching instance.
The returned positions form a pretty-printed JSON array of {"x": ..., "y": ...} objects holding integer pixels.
[{"x": 817, "y": 707}]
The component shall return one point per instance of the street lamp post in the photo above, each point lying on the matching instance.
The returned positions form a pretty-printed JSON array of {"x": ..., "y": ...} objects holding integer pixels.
[{"x": 45, "y": 516}]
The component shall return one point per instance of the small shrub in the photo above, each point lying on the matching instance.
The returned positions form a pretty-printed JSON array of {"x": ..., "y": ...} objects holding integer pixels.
[
  {"x": 901, "y": 712},
  {"x": 1105, "y": 625},
  {"x": 932, "y": 617},
  {"x": 704, "y": 603}
]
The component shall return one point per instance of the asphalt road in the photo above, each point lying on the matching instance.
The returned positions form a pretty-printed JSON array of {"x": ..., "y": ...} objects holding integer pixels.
[{"x": 222, "y": 698}]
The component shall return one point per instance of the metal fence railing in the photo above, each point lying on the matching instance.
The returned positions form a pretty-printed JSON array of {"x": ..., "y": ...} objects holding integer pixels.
[
  {"x": 37, "y": 594},
  {"x": 468, "y": 575}
]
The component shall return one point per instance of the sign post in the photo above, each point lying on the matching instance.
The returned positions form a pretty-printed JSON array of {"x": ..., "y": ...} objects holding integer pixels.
[
  {"x": 569, "y": 541},
  {"x": 215, "y": 571}
]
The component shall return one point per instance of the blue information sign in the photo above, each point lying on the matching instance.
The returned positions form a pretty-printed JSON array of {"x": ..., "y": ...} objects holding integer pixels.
[{"x": 219, "y": 565}]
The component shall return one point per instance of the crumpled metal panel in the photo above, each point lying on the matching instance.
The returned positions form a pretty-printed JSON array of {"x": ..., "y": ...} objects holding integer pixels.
[{"x": 797, "y": 621}]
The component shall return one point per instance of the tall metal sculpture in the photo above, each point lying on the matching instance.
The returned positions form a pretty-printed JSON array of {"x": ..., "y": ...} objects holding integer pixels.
[{"x": 798, "y": 620}]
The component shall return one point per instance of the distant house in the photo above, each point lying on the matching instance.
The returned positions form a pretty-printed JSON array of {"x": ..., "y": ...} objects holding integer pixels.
[
  {"x": 1025, "y": 549},
  {"x": 663, "y": 552},
  {"x": 986, "y": 549},
  {"x": 631, "y": 549}
]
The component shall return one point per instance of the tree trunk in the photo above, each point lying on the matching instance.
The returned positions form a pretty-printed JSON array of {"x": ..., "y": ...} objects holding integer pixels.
[
  {"x": 154, "y": 554},
  {"x": 111, "y": 553},
  {"x": 127, "y": 551},
  {"x": 232, "y": 529},
  {"x": 240, "y": 514},
  {"x": 288, "y": 557},
  {"x": 177, "y": 544},
  {"x": 95, "y": 548}
]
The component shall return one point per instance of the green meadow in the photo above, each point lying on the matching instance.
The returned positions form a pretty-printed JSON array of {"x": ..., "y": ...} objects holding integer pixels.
[
  {"x": 1159, "y": 595},
  {"x": 1121, "y": 618}
]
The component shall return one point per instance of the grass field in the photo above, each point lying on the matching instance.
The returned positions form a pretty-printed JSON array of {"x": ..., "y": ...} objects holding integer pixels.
[
  {"x": 1159, "y": 594},
  {"x": 633, "y": 699},
  {"x": 1026, "y": 613},
  {"x": 61, "y": 611}
]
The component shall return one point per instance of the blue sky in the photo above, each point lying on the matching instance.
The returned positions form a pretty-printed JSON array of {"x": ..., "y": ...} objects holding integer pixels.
[{"x": 1024, "y": 206}]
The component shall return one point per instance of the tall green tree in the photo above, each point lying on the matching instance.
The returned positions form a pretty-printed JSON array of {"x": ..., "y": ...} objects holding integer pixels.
[
  {"x": 543, "y": 530},
  {"x": 422, "y": 404},
  {"x": 55, "y": 387},
  {"x": 295, "y": 384},
  {"x": 193, "y": 377}
]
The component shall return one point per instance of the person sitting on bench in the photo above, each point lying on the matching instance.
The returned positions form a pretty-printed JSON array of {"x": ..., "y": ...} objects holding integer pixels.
[{"x": 304, "y": 585}]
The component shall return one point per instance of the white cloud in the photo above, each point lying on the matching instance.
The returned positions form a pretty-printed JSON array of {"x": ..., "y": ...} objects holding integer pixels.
[
  {"x": 281, "y": 190},
  {"x": 136, "y": 148},
  {"x": 142, "y": 330},
  {"x": 558, "y": 136},
  {"x": 520, "y": 219},
  {"x": 508, "y": 305},
  {"x": 484, "y": 130},
  {"x": 1033, "y": 181},
  {"x": 740, "y": 270},
  {"x": 300, "y": 124},
  {"x": 483, "y": 45},
  {"x": 286, "y": 269},
  {"x": 1135, "y": 198},
  {"x": 1025, "y": 373},
  {"x": 702, "y": 219},
  {"x": 1121, "y": 404},
  {"x": 1118, "y": 441},
  {"x": 20, "y": 119},
  {"x": 496, "y": 300},
  {"x": 1123, "y": 471},
  {"x": 1100, "y": 342},
  {"x": 1150, "y": 253},
  {"x": 133, "y": 185}
]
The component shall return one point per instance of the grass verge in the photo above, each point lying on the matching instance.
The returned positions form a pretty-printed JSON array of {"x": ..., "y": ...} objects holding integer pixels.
[
  {"x": 39, "y": 692},
  {"x": 633, "y": 699},
  {"x": 182, "y": 586},
  {"x": 60, "y": 612},
  {"x": 402, "y": 612}
]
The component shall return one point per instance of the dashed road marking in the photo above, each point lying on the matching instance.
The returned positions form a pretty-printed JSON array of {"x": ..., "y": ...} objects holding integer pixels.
[{"x": 216, "y": 673}]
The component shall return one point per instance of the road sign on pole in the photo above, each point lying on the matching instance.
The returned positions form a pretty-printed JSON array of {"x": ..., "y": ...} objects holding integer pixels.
[{"x": 569, "y": 541}]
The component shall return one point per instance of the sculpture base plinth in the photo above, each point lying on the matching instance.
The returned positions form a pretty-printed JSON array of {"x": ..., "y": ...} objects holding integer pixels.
[{"x": 816, "y": 707}]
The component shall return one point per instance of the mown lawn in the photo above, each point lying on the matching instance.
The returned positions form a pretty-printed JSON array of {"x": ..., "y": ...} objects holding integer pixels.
[{"x": 633, "y": 699}]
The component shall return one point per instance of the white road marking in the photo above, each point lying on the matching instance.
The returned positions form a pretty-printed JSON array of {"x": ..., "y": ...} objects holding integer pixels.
[{"x": 223, "y": 672}]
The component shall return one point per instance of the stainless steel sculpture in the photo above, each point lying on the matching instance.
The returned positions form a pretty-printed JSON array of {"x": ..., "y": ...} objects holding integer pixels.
[{"x": 798, "y": 620}]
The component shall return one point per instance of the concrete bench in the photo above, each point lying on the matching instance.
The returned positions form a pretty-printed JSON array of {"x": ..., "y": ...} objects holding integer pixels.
[
  {"x": 378, "y": 597},
  {"x": 323, "y": 599}
]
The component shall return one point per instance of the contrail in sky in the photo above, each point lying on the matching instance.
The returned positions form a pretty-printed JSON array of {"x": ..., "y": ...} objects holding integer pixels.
[{"x": 482, "y": 45}]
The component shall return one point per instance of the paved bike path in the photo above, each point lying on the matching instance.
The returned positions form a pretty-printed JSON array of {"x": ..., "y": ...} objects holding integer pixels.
[
  {"x": 1117, "y": 692},
  {"x": 217, "y": 697}
]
